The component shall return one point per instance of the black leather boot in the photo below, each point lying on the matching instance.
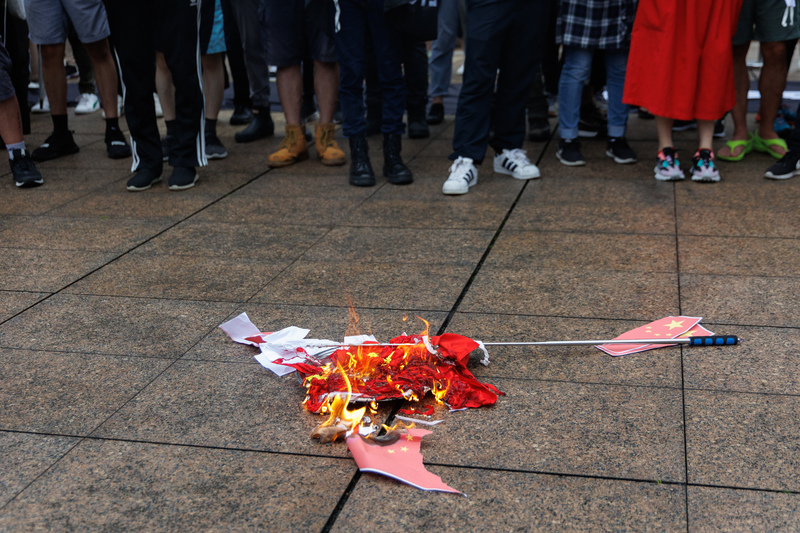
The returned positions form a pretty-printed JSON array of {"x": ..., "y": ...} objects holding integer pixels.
[
  {"x": 361, "y": 174},
  {"x": 393, "y": 167},
  {"x": 260, "y": 127},
  {"x": 417, "y": 125}
]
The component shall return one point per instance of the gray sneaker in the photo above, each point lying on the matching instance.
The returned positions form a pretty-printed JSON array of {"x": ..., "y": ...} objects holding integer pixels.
[{"x": 214, "y": 148}]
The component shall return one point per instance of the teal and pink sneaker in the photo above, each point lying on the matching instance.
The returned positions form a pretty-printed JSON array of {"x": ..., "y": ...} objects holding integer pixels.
[
  {"x": 703, "y": 168},
  {"x": 668, "y": 168}
]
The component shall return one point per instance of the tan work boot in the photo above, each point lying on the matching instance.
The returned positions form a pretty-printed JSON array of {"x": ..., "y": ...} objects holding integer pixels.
[
  {"x": 328, "y": 151},
  {"x": 292, "y": 149}
]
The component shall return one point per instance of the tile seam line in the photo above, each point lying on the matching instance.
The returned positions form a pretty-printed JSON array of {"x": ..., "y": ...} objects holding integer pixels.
[
  {"x": 357, "y": 476},
  {"x": 129, "y": 251},
  {"x": 82, "y": 439}
]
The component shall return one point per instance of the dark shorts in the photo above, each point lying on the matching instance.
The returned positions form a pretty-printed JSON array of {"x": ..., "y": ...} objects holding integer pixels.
[
  {"x": 6, "y": 87},
  {"x": 294, "y": 31},
  {"x": 47, "y": 20}
]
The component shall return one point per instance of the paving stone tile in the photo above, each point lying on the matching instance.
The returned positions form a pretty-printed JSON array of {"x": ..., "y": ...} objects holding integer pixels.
[
  {"x": 268, "y": 242},
  {"x": 220, "y": 279},
  {"x": 135, "y": 486},
  {"x": 332, "y": 323},
  {"x": 584, "y": 251},
  {"x": 739, "y": 256},
  {"x": 24, "y": 457},
  {"x": 120, "y": 326},
  {"x": 383, "y": 285},
  {"x": 155, "y": 203},
  {"x": 25, "y": 202},
  {"x": 401, "y": 245},
  {"x": 584, "y": 364},
  {"x": 573, "y": 293},
  {"x": 82, "y": 176},
  {"x": 754, "y": 221},
  {"x": 428, "y": 213},
  {"x": 568, "y": 428},
  {"x": 52, "y": 392},
  {"x": 206, "y": 403},
  {"x": 12, "y": 302},
  {"x": 514, "y": 501},
  {"x": 313, "y": 180},
  {"x": 745, "y": 300},
  {"x": 53, "y": 269},
  {"x": 765, "y": 362},
  {"x": 718, "y": 509},
  {"x": 740, "y": 189},
  {"x": 743, "y": 440},
  {"x": 99, "y": 234}
]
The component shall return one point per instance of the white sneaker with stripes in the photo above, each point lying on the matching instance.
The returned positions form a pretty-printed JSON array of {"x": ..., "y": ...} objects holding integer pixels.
[
  {"x": 463, "y": 175},
  {"x": 515, "y": 163}
]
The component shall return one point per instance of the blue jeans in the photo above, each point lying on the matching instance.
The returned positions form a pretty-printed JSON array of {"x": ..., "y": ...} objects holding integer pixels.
[
  {"x": 441, "y": 60},
  {"x": 356, "y": 18},
  {"x": 576, "y": 70}
]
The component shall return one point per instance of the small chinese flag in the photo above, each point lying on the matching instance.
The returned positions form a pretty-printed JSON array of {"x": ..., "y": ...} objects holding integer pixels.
[
  {"x": 670, "y": 327},
  {"x": 400, "y": 460}
]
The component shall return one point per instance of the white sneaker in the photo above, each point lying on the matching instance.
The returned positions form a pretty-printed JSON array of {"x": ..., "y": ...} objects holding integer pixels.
[
  {"x": 463, "y": 175},
  {"x": 41, "y": 107},
  {"x": 460, "y": 70},
  {"x": 88, "y": 103},
  {"x": 515, "y": 163}
]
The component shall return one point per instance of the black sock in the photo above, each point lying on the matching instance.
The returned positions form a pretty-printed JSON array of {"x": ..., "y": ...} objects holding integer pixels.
[
  {"x": 170, "y": 126},
  {"x": 60, "y": 124},
  {"x": 112, "y": 124},
  {"x": 211, "y": 127}
]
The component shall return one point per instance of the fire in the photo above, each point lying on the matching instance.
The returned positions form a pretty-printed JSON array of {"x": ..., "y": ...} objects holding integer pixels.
[{"x": 341, "y": 420}]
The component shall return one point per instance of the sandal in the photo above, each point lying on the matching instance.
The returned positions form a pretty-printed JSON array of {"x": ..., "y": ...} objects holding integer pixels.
[
  {"x": 768, "y": 146},
  {"x": 732, "y": 146}
]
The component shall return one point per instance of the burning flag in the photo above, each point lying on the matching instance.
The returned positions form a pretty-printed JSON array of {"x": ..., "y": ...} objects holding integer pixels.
[{"x": 396, "y": 455}]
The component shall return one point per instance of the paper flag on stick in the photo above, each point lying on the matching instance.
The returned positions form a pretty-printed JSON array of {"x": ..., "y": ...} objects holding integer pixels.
[
  {"x": 670, "y": 327},
  {"x": 401, "y": 460}
]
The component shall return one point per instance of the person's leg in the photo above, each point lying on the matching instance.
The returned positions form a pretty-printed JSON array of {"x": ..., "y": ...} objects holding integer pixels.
[
  {"x": 165, "y": 89},
  {"x": 577, "y": 66},
  {"x": 616, "y": 62},
  {"x": 441, "y": 58},
  {"x": 771, "y": 83},
  {"x": 55, "y": 78},
  {"x": 741, "y": 81},
  {"x": 82, "y": 61},
  {"x": 213, "y": 84},
  {"x": 350, "y": 48},
  {"x": 242, "y": 113},
  {"x": 664, "y": 130},
  {"x": 290, "y": 91},
  {"x": 326, "y": 86},
  {"x": 415, "y": 71},
  {"x": 705, "y": 134}
]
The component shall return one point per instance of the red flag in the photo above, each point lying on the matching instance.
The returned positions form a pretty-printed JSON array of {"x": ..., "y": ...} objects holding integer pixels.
[
  {"x": 454, "y": 346},
  {"x": 400, "y": 460},
  {"x": 670, "y": 327}
]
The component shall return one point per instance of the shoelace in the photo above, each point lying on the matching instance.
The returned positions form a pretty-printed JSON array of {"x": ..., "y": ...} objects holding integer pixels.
[
  {"x": 290, "y": 139},
  {"x": 326, "y": 137},
  {"x": 518, "y": 156},
  {"x": 460, "y": 168}
]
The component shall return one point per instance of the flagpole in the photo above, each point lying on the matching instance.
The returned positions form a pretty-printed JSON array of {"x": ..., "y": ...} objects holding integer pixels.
[{"x": 712, "y": 340}]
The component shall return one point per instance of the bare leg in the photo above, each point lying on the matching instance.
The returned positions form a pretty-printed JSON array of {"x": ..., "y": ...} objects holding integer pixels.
[
  {"x": 290, "y": 90},
  {"x": 10, "y": 121},
  {"x": 326, "y": 86},
  {"x": 705, "y": 132},
  {"x": 741, "y": 82},
  {"x": 213, "y": 83},
  {"x": 664, "y": 128},
  {"x": 164, "y": 87},
  {"x": 55, "y": 78},
  {"x": 771, "y": 84},
  {"x": 105, "y": 74}
]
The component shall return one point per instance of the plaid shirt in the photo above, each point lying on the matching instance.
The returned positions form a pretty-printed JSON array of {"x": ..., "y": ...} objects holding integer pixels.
[{"x": 604, "y": 24}]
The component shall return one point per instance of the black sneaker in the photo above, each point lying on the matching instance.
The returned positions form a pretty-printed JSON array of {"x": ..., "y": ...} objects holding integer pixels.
[
  {"x": 166, "y": 146},
  {"x": 214, "y": 147},
  {"x": 683, "y": 125},
  {"x": 620, "y": 150},
  {"x": 435, "y": 114},
  {"x": 538, "y": 130},
  {"x": 787, "y": 167},
  {"x": 23, "y": 169},
  {"x": 116, "y": 145},
  {"x": 143, "y": 180},
  {"x": 569, "y": 153},
  {"x": 182, "y": 178},
  {"x": 56, "y": 145}
]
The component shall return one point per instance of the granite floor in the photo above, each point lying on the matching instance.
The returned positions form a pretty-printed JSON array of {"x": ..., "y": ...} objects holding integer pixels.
[{"x": 123, "y": 406}]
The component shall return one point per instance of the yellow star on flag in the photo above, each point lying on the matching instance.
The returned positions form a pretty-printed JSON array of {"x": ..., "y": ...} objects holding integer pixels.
[
  {"x": 390, "y": 451},
  {"x": 409, "y": 437},
  {"x": 403, "y": 449},
  {"x": 675, "y": 324}
]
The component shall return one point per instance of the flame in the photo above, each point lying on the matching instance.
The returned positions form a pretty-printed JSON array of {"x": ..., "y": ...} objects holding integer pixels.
[
  {"x": 440, "y": 390},
  {"x": 341, "y": 420}
]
